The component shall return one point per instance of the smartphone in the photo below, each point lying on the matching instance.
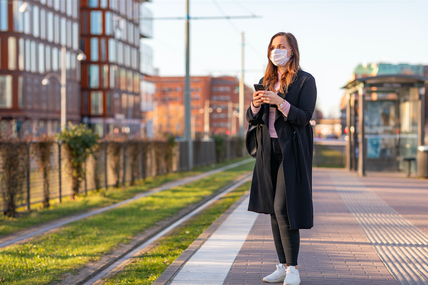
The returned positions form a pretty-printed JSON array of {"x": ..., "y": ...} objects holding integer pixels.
[{"x": 259, "y": 87}]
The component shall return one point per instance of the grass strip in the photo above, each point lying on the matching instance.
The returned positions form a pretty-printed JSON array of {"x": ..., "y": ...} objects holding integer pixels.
[
  {"x": 147, "y": 268},
  {"x": 95, "y": 199},
  {"x": 49, "y": 257}
]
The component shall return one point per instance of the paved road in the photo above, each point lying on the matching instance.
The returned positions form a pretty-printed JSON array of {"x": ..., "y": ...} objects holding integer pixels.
[{"x": 371, "y": 230}]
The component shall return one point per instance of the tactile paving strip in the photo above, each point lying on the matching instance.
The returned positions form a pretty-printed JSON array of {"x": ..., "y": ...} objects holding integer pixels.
[{"x": 402, "y": 247}]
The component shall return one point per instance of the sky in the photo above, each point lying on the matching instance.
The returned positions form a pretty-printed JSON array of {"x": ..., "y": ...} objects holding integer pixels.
[{"x": 333, "y": 36}]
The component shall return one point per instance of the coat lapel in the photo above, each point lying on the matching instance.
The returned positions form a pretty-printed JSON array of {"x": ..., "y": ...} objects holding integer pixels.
[{"x": 265, "y": 116}]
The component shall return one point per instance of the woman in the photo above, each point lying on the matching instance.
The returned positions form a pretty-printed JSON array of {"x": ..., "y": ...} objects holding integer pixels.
[{"x": 282, "y": 179}]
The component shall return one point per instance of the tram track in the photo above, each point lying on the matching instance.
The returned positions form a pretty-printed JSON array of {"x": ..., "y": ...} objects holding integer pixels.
[{"x": 93, "y": 273}]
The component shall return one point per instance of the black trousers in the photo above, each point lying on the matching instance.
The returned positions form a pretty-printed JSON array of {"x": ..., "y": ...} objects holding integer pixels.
[{"x": 286, "y": 241}]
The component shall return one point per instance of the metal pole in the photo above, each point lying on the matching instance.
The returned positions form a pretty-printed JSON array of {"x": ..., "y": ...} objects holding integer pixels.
[
  {"x": 63, "y": 90},
  {"x": 361, "y": 133},
  {"x": 348, "y": 126},
  {"x": 59, "y": 173},
  {"x": 105, "y": 165},
  {"x": 187, "y": 109},
  {"x": 28, "y": 178},
  {"x": 206, "y": 119},
  {"x": 241, "y": 92}
]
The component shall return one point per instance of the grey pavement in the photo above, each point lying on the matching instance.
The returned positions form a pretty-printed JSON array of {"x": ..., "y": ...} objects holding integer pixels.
[{"x": 368, "y": 230}]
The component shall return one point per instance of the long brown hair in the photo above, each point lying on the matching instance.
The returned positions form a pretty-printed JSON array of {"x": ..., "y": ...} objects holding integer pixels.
[{"x": 293, "y": 65}]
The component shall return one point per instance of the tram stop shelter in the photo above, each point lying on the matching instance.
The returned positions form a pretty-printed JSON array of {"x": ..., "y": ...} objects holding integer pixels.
[{"x": 388, "y": 111}]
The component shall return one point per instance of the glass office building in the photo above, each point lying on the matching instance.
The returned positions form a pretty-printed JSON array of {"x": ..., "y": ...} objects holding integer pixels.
[{"x": 32, "y": 34}]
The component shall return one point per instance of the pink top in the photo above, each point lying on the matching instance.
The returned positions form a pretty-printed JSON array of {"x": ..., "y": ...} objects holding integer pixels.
[{"x": 284, "y": 110}]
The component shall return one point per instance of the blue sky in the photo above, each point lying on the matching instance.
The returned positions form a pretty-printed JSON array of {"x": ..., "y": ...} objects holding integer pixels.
[{"x": 333, "y": 36}]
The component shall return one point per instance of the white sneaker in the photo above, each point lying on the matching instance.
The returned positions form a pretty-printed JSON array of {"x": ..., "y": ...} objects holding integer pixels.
[
  {"x": 277, "y": 276},
  {"x": 293, "y": 277}
]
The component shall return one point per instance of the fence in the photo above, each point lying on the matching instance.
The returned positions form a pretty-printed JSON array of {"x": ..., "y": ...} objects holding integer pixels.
[{"x": 136, "y": 160}]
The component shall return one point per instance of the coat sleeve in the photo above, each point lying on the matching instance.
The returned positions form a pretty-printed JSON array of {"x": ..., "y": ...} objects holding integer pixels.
[
  {"x": 254, "y": 120},
  {"x": 307, "y": 99}
]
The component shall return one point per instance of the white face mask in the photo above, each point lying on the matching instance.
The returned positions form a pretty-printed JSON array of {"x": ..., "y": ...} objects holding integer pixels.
[{"x": 279, "y": 57}]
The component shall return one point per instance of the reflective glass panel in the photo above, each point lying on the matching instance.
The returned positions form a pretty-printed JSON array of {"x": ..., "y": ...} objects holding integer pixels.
[
  {"x": 103, "y": 3},
  {"x": 75, "y": 36},
  {"x": 6, "y": 91},
  {"x": 119, "y": 53},
  {"x": 112, "y": 75},
  {"x": 21, "y": 54},
  {"x": 18, "y": 18},
  {"x": 112, "y": 50},
  {"x": 96, "y": 22},
  {"x": 69, "y": 35},
  {"x": 127, "y": 56},
  {"x": 69, "y": 7},
  {"x": 50, "y": 27},
  {"x": 42, "y": 24},
  {"x": 94, "y": 49},
  {"x": 94, "y": 76},
  {"x": 56, "y": 29},
  {"x": 48, "y": 58},
  {"x": 41, "y": 59},
  {"x": 108, "y": 23},
  {"x": 27, "y": 55},
  {"x": 63, "y": 31},
  {"x": 36, "y": 19},
  {"x": 54, "y": 59},
  {"x": 56, "y": 4},
  {"x": 21, "y": 90},
  {"x": 3, "y": 15},
  {"x": 27, "y": 22},
  {"x": 103, "y": 49},
  {"x": 96, "y": 102},
  {"x": 12, "y": 53},
  {"x": 93, "y": 3},
  {"x": 105, "y": 76}
]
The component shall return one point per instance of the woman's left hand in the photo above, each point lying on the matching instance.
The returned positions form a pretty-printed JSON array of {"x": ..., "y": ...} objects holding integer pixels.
[{"x": 272, "y": 98}]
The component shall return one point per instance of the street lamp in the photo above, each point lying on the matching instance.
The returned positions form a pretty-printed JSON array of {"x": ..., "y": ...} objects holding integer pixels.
[{"x": 63, "y": 80}]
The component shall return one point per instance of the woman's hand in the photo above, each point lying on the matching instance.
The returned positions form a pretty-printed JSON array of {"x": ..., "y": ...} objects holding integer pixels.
[
  {"x": 270, "y": 97},
  {"x": 257, "y": 99}
]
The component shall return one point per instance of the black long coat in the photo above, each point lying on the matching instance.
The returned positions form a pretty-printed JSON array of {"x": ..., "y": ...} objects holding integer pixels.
[{"x": 295, "y": 137}]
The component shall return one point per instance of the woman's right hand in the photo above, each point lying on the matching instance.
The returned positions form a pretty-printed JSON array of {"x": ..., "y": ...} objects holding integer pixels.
[{"x": 258, "y": 98}]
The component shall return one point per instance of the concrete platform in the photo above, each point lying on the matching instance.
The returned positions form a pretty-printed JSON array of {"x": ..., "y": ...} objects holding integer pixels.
[{"x": 370, "y": 230}]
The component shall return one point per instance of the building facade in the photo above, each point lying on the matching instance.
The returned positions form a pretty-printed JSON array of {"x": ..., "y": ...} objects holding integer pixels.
[
  {"x": 102, "y": 91},
  {"x": 32, "y": 34},
  {"x": 111, "y": 74},
  {"x": 217, "y": 96}
]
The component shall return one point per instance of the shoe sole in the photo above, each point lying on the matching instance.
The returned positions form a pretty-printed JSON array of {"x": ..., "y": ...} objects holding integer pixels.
[{"x": 275, "y": 281}]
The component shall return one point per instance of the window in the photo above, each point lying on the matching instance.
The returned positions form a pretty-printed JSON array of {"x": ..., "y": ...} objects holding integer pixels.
[
  {"x": 50, "y": 27},
  {"x": 112, "y": 75},
  {"x": 21, "y": 89},
  {"x": 85, "y": 22},
  {"x": 96, "y": 22},
  {"x": 103, "y": 3},
  {"x": 93, "y": 3},
  {"x": 6, "y": 91},
  {"x": 96, "y": 102},
  {"x": 129, "y": 81},
  {"x": 108, "y": 103},
  {"x": 69, "y": 7},
  {"x": 54, "y": 59},
  {"x": 122, "y": 79},
  {"x": 29, "y": 93},
  {"x": 41, "y": 59},
  {"x": 75, "y": 36},
  {"x": 130, "y": 105},
  {"x": 21, "y": 54},
  {"x": 48, "y": 58},
  {"x": 85, "y": 103},
  {"x": 111, "y": 50},
  {"x": 94, "y": 49},
  {"x": 130, "y": 33},
  {"x": 67, "y": 64},
  {"x": 105, "y": 76},
  {"x": 73, "y": 59},
  {"x": 3, "y": 15},
  {"x": 12, "y": 53},
  {"x": 124, "y": 103},
  {"x": 75, "y": 8},
  {"x": 94, "y": 77},
  {"x": 36, "y": 19},
  {"x": 56, "y": 27},
  {"x": 103, "y": 50},
  {"x": 27, "y": 23},
  {"x": 63, "y": 31},
  {"x": 119, "y": 53},
  {"x": 63, "y": 6},
  {"x": 18, "y": 18},
  {"x": 27, "y": 55},
  {"x": 127, "y": 56},
  {"x": 42, "y": 24},
  {"x": 108, "y": 23},
  {"x": 69, "y": 35},
  {"x": 36, "y": 93},
  {"x": 136, "y": 82}
]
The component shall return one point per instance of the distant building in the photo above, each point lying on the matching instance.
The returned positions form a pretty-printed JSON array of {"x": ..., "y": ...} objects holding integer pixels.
[{"x": 218, "y": 96}]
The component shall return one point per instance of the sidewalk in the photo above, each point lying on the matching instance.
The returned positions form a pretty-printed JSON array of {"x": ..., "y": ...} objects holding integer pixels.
[{"x": 369, "y": 230}]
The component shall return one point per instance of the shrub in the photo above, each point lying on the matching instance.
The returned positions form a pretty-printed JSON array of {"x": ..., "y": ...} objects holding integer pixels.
[
  {"x": 81, "y": 143},
  {"x": 219, "y": 146},
  {"x": 42, "y": 150},
  {"x": 15, "y": 163},
  {"x": 169, "y": 153},
  {"x": 114, "y": 152}
]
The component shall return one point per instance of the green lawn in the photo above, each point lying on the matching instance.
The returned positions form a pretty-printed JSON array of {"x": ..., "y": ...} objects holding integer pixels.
[
  {"x": 95, "y": 199},
  {"x": 49, "y": 257},
  {"x": 147, "y": 268}
]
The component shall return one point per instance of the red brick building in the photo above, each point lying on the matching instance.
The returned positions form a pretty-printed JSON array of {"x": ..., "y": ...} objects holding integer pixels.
[{"x": 219, "y": 96}]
